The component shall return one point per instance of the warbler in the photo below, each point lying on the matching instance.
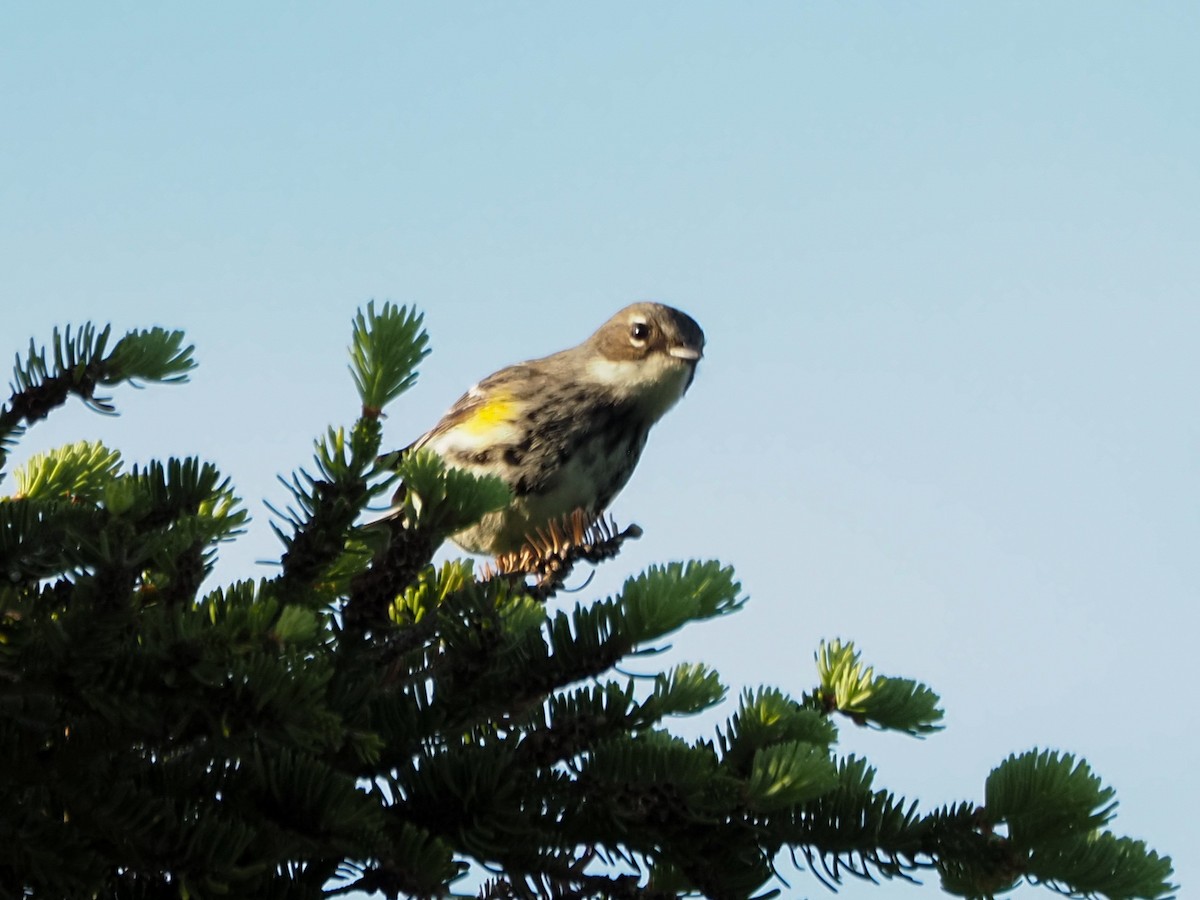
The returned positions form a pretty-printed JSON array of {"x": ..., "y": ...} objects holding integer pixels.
[{"x": 565, "y": 431}]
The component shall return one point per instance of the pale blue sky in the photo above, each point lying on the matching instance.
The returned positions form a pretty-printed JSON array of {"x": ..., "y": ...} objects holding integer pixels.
[{"x": 946, "y": 256}]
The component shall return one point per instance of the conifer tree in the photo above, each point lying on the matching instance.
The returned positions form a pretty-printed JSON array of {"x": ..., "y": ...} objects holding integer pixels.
[{"x": 363, "y": 721}]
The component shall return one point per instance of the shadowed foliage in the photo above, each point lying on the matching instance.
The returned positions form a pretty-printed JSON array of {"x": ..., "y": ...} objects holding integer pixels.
[{"x": 365, "y": 721}]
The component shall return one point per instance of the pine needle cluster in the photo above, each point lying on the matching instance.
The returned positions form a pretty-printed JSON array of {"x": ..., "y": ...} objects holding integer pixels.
[{"x": 365, "y": 721}]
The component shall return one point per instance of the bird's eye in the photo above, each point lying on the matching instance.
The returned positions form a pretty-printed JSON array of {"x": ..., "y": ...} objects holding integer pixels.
[{"x": 639, "y": 331}]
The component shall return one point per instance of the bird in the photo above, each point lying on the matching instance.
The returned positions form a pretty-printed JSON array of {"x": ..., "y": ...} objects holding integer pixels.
[{"x": 566, "y": 431}]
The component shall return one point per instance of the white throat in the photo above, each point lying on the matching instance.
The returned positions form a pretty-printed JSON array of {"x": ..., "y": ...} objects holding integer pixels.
[{"x": 657, "y": 381}]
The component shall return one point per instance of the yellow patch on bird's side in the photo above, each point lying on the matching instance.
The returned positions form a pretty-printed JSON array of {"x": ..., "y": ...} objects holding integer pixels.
[{"x": 497, "y": 411}]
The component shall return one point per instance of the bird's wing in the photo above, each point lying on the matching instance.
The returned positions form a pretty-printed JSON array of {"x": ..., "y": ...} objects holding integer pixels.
[{"x": 486, "y": 404}]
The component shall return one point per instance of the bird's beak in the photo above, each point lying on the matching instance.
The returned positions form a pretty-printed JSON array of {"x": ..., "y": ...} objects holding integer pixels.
[{"x": 688, "y": 353}]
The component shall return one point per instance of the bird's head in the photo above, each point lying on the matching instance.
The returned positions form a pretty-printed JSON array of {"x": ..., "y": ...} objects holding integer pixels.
[{"x": 647, "y": 352}]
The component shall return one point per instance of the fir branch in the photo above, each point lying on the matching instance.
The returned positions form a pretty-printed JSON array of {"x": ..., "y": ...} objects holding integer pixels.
[
  {"x": 1044, "y": 796},
  {"x": 847, "y": 687},
  {"x": 441, "y": 500},
  {"x": 384, "y": 352},
  {"x": 434, "y": 502},
  {"x": 855, "y": 829},
  {"x": 77, "y": 472},
  {"x": 767, "y": 717},
  {"x": 182, "y": 487},
  {"x": 79, "y": 366},
  {"x": 374, "y": 590},
  {"x": 664, "y": 598},
  {"x": 789, "y": 773},
  {"x": 1053, "y": 807},
  {"x": 687, "y": 689},
  {"x": 575, "y": 721},
  {"x": 1118, "y": 868},
  {"x": 327, "y": 504},
  {"x": 40, "y": 539},
  {"x": 153, "y": 355},
  {"x": 593, "y": 638}
]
